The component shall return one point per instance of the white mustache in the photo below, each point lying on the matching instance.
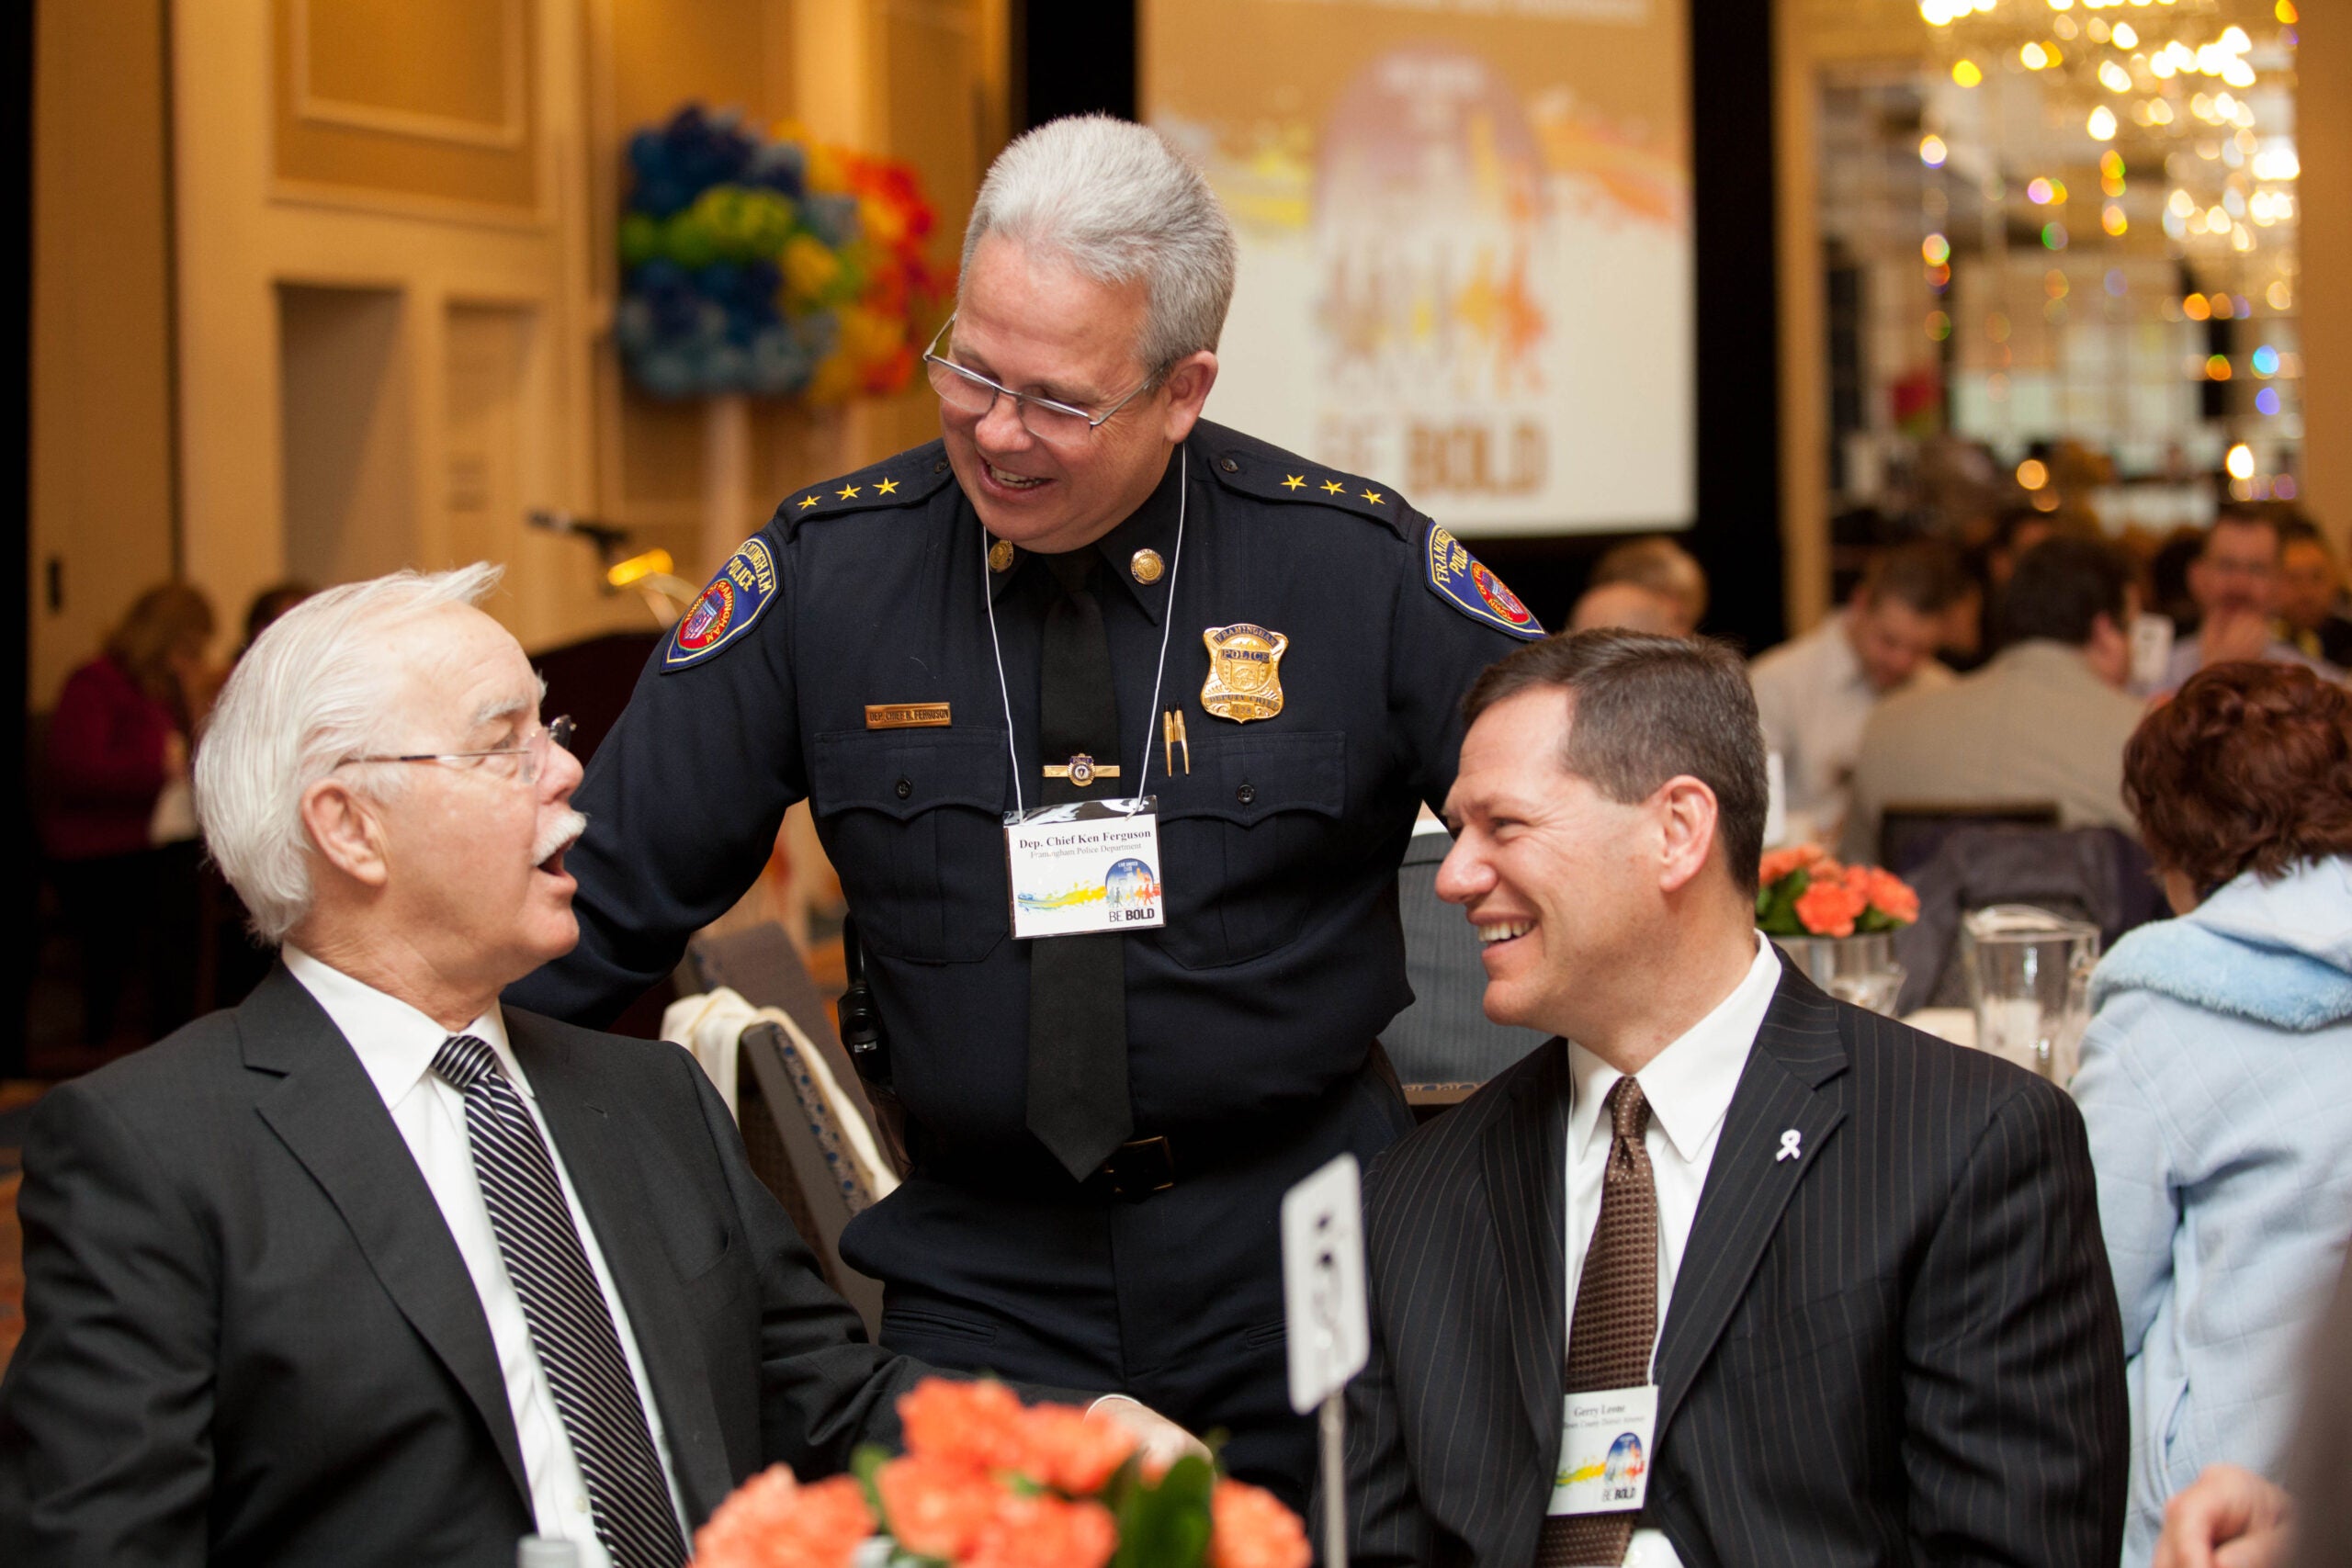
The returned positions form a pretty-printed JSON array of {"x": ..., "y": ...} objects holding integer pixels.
[{"x": 560, "y": 833}]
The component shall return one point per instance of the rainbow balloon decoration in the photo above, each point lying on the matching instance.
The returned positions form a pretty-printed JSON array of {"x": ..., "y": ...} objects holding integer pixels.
[{"x": 780, "y": 266}]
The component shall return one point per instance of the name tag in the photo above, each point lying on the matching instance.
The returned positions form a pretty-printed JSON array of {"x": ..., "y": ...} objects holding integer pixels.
[
  {"x": 1604, "y": 1451},
  {"x": 1086, "y": 867},
  {"x": 906, "y": 715}
]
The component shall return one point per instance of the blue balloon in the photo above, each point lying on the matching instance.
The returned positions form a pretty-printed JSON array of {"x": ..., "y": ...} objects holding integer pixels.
[
  {"x": 719, "y": 281},
  {"x": 647, "y": 154},
  {"x": 761, "y": 280},
  {"x": 659, "y": 275},
  {"x": 780, "y": 166},
  {"x": 662, "y": 195}
]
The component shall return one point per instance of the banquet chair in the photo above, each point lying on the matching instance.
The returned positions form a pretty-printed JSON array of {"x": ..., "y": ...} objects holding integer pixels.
[
  {"x": 1911, "y": 833},
  {"x": 792, "y": 1130},
  {"x": 2099, "y": 875}
]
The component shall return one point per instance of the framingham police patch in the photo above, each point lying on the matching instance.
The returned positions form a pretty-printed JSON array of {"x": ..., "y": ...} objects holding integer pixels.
[
  {"x": 726, "y": 609},
  {"x": 1462, "y": 580}
]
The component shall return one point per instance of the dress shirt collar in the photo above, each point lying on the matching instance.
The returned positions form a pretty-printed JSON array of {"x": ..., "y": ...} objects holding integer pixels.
[
  {"x": 394, "y": 1042},
  {"x": 1690, "y": 1084},
  {"x": 1150, "y": 527},
  {"x": 1845, "y": 665}
]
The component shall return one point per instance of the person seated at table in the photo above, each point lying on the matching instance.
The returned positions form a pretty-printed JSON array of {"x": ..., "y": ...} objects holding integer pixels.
[
  {"x": 2047, "y": 719},
  {"x": 372, "y": 1270},
  {"x": 1829, "y": 1289},
  {"x": 2216, "y": 1074},
  {"x": 1817, "y": 693},
  {"x": 1657, "y": 564},
  {"x": 2235, "y": 580},
  {"x": 2314, "y": 614},
  {"x": 1629, "y": 608}
]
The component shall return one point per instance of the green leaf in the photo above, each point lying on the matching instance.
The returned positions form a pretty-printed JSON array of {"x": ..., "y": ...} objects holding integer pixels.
[{"x": 1167, "y": 1526}]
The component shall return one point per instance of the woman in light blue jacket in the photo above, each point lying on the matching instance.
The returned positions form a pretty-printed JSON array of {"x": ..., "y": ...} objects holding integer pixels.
[{"x": 2216, "y": 1076}]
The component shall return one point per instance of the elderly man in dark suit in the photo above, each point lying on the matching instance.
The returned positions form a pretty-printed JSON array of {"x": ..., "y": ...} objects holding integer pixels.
[
  {"x": 1729, "y": 1273},
  {"x": 370, "y": 1270}
]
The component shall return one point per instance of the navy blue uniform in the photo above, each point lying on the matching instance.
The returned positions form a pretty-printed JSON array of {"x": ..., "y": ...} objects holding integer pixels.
[{"x": 1251, "y": 1016}]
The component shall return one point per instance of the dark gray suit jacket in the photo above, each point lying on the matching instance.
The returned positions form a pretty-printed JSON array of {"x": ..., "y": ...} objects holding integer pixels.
[
  {"x": 1900, "y": 1347},
  {"x": 250, "y": 1339}
]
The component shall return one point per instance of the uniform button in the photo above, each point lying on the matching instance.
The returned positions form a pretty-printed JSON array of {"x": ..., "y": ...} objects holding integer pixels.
[
  {"x": 1228, "y": 465},
  {"x": 906, "y": 787},
  {"x": 939, "y": 466},
  {"x": 1246, "y": 793}
]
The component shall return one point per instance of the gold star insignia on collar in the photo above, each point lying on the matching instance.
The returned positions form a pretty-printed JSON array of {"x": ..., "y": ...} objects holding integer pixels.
[
  {"x": 806, "y": 501},
  {"x": 886, "y": 486},
  {"x": 1372, "y": 496},
  {"x": 1294, "y": 482},
  {"x": 846, "y": 491},
  {"x": 1332, "y": 486}
]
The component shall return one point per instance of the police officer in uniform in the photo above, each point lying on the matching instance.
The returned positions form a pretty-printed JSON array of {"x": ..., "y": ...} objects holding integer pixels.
[{"x": 1084, "y": 592}]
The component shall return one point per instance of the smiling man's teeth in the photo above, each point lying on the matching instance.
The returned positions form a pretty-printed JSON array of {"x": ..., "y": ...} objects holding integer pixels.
[
  {"x": 1013, "y": 482},
  {"x": 1505, "y": 931}
]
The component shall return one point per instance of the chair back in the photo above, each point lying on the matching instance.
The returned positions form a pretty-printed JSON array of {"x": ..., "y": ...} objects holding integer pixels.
[
  {"x": 792, "y": 1128},
  {"x": 1911, "y": 833},
  {"x": 2099, "y": 875}
]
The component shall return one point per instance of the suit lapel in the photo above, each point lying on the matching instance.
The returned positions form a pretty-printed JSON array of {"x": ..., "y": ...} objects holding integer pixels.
[
  {"x": 1526, "y": 1176},
  {"x": 327, "y": 1112},
  {"x": 1748, "y": 1184},
  {"x": 599, "y": 1157}
]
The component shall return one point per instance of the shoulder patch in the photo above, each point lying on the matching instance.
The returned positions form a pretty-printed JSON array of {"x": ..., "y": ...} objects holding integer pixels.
[
  {"x": 900, "y": 481},
  {"x": 1462, "y": 580},
  {"x": 725, "y": 611}
]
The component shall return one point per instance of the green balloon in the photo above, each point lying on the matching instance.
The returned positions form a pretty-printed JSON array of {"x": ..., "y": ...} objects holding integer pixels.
[
  {"x": 688, "y": 241},
  {"x": 641, "y": 239}
]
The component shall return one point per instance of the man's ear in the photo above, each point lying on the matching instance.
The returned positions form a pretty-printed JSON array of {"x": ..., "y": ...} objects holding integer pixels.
[
  {"x": 1686, "y": 815},
  {"x": 347, "y": 831},
  {"x": 1188, "y": 388}
]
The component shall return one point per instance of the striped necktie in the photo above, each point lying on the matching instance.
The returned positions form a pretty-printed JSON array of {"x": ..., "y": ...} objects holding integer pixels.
[
  {"x": 572, "y": 1328},
  {"x": 1615, "y": 1325}
]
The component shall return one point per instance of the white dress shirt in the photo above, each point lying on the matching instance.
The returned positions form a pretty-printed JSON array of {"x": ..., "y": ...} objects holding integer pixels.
[
  {"x": 396, "y": 1044},
  {"x": 1689, "y": 1086},
  {"x": 1814, "y": 697}
]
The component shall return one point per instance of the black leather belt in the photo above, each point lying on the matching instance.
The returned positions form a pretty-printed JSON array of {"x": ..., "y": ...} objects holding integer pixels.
[{"x": 1139, "y": 1168}]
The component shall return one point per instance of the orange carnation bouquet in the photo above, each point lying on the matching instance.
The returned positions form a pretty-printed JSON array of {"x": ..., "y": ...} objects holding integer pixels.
[
  {"x": 988, "y": 1482},
  {"x": 1802, "y": 892}
]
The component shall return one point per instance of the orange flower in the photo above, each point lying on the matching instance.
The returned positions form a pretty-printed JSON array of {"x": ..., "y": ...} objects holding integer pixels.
[
  {"x": 936, "y": 1507},
  {"x": 1250, "y": 1527},
  {"x": 1891, "y": 897},
  {"x": 1045, "y": 1532},
  {"x": 1828, "y": 907},
  {"x": 974, "y": 1424},
  {"x": 772, "y": 1522},
  {"x": 1072, "y": 1451},
  {"x": 1779, "y": 863}
]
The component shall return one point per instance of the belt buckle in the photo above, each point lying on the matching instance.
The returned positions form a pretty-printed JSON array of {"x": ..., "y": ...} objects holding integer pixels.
[{"x": 1140, "y": 1168}]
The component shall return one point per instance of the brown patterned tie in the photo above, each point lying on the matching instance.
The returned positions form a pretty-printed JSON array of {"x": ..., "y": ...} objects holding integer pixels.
[{"x": 1615, "y": 1325}]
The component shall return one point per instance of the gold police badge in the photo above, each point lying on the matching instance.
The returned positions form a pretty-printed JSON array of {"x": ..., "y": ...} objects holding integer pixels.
[{"x": 1245, "y": 672}]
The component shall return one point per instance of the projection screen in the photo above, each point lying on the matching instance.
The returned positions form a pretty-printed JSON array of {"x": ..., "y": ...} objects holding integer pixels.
[{"x": 1466, "y": 244}]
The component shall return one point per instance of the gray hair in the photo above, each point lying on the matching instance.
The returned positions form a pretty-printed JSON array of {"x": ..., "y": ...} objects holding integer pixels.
[
  {"x": 308, "y": 693},
  {"x": 1118, "y": 202}
]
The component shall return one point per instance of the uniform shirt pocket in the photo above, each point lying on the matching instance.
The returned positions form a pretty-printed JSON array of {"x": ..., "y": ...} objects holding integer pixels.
[
  {"x": 1245, "y": 839},
  {"x": 913, "y": 822}
]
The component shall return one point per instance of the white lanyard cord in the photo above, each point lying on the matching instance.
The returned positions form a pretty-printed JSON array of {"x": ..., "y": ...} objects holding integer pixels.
[{"x": 1167, "y": 625}]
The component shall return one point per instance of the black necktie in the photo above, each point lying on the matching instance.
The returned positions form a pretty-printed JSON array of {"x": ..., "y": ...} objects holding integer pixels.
[
  {"x": 572, "y": 1328},
  {"x": 1078, "y": 985}
]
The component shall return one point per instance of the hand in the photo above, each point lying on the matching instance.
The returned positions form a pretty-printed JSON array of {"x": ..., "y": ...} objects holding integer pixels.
[
  {"x": 2228, "y": 1518},
  {"x": 2230, "y": 635},
  {"x": 1159, "y": 1440}
]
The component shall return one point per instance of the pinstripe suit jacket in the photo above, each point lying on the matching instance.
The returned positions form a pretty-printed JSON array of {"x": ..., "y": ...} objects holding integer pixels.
[{"x": 1901, "y": 1347}]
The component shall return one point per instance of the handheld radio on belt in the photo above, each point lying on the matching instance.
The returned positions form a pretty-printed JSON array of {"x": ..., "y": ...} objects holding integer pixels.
[{"x": 861, "y": 1020}]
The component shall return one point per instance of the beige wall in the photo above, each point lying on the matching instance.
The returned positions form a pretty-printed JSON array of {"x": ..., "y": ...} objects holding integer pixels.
[
  {"x": 101, "y": 490},
  {"x": 2323, "y": 141},
  {"x": 394, "y": 281}
]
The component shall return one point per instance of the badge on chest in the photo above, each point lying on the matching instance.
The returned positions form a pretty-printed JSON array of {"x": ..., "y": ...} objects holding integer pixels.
[
  {"x": 1245, "y": 672},
  {"x": 1604, "y": 1451}
]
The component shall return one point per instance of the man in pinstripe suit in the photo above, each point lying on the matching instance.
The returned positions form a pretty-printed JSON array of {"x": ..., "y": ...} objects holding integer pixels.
[{"x": 1858, "y": 1271}]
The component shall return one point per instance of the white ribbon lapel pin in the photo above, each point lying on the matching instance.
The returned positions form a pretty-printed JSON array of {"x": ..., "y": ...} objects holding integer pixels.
[{"x": 1790, "y": 1141}]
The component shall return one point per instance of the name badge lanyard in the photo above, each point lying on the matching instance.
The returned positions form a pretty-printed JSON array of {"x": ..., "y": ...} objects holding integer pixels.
[{"x": 1166, "y": 623}]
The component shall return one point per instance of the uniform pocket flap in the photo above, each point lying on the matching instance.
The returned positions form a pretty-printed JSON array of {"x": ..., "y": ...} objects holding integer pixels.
[
  {"x": 1246, "y": 778},
  {"x": 902, "y": 773}
]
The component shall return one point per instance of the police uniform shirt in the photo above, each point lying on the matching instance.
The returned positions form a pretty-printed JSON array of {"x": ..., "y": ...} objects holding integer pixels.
[{"x": 865, "y": 604}]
